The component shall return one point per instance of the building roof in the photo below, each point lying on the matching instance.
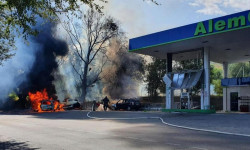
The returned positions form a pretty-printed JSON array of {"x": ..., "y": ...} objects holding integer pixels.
[
  {"x": 228, "y": 38},
  {"x": 244, "y": 81}
]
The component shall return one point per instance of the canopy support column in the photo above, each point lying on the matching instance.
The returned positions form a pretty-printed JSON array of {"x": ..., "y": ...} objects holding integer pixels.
[
  {"x": 225, "y": 69},
  {"x": 169, "y": 91},
  {"x": 206, "y": 93}
]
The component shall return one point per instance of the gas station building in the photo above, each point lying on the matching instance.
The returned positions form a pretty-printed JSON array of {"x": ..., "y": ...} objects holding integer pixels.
[{"x": 223, "y": 40}]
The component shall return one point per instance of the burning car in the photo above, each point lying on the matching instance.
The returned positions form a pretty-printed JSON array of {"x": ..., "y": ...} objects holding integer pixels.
[
  {"x": 127, "y": 104},
  {"x": 50, "y": 105},
  {"x": 47, "y": 105},
  {"x": 71, "y": 103},
  {"x": 40, "y": 102}
]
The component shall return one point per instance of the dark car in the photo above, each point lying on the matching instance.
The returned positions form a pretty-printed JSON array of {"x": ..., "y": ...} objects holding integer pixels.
[{"x": 127, "y": 104}]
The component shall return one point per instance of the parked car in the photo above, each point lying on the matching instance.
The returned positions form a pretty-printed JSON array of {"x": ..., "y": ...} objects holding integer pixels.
[
  {"x": 127, "y": 104},
  {"x": 71, "y": 103},
  {"x": 47, "y": 105}
]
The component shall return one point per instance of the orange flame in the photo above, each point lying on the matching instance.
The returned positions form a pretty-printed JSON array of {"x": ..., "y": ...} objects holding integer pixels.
[{"x": 37, "y": 98}]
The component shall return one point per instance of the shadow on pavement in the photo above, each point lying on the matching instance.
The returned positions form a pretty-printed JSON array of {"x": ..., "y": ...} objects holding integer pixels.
[
  {"x": 68, "y": 114},
  {"x": 81, "y": 114},
  {"x": 15, "y": 145}
]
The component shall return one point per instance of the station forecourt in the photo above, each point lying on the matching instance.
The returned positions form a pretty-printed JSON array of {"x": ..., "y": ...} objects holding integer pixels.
[{"x": 223, "y": 40}]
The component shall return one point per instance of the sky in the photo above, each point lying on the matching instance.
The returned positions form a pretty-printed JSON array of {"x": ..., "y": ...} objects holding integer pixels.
[{"x": 138, "y": 17}]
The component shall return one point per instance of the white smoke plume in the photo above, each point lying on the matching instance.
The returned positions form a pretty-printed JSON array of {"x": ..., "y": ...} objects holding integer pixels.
[
  {"x": 66, "y": 80},
  {"x": 15, "y": 70}
]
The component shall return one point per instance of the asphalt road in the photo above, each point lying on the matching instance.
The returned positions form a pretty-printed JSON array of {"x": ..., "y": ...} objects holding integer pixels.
[{"x": 74, "y": 130}]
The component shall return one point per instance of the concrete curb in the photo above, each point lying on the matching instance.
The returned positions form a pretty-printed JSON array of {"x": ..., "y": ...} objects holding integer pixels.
[
  {"x": 210, "y": 111},
  {"x": 169, "y": 124}
]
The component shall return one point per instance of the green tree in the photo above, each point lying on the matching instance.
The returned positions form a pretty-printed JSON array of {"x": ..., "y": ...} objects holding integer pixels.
[
  {"x": 20, "y": 17},
  {"x": 215, "y": 77},
  {"x": 239, "y": 70},
  {"x": 154, "y": 74},
  {"x": 192, "y": 64}
]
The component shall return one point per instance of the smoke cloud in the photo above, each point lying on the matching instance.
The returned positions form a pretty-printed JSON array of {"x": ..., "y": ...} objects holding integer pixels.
[
  {"x": 15, "y": 71},
  {"x": 38, "y": 66},
  {"x": 122, "y": 76},
  {"x": 34, "y": 66},
  {"x": 41, "y": 74}
]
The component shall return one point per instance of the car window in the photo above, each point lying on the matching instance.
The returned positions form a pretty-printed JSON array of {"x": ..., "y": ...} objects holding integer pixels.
[
  {"x": 130, "y": 101},
  {"x": 120, "y": 101}
]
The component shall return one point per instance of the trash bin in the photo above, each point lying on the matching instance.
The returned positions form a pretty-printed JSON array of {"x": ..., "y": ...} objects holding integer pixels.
[{"x": 244, "y": 108}]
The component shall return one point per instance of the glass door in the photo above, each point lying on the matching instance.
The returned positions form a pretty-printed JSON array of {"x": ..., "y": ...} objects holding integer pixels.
[{"x": 234, "y": 101}]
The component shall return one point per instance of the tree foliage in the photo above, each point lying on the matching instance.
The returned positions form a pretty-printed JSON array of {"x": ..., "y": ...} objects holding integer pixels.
[
  {"x": 6, "y": 38},
  {"x": 239, "y": 70},
  {"x": 153, "y": 1},
  {"x": 88, "y": 45},
  {"x": 191, "y": 64},
  {"x": 154, "y": 74},
  {"x": 215, "y": 79},
  {"x": 20, "y": 17}
]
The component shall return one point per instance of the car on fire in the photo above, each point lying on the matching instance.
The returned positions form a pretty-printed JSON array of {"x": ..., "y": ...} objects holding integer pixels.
[
  {"x": 127, "y": 104},
  {"x": 47, "y": 105},
  {"x": 71, "y": 103}
]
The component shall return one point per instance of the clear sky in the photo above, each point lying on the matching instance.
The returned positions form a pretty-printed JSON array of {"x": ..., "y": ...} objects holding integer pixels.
[{"x": 139, "y": 18}]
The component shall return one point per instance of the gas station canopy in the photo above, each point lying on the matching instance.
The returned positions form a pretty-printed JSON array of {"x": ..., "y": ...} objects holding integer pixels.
[{"x": 228, "y": 38}]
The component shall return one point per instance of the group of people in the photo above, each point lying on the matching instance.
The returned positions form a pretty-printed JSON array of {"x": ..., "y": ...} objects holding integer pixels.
[{"x": 105, "y": 102}]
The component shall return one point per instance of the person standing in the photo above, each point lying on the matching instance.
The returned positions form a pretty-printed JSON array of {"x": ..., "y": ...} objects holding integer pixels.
[
  {"x": 105, "y": 103},
  {"x": 94, "y": 106}
]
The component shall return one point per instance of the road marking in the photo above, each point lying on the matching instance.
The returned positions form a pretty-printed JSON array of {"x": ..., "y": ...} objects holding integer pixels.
[
  {"x": 172, "y": 144},
  {"x": 139, "y": 139},
  {"x": 199, "y": 148},
  {"x": 204, "y": 130},
  {"x": 169, "y": 124}
]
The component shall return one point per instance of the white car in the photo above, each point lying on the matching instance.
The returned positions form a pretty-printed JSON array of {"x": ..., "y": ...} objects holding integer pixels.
[{"x": 71, "y": 103}]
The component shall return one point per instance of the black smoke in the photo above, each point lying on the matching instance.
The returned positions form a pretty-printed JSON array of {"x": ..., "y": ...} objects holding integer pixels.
[{"x": 41, "y": 74}]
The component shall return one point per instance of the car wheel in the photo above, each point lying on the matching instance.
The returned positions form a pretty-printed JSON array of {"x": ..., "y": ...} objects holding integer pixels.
[
  {"x": 129, "y": 108},
  {"x": 77, "y": 105}
]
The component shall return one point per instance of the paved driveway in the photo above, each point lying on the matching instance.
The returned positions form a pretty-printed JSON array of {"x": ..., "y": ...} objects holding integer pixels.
[
  {"x": 74, "y": 130},
  {"x": 235, "y": 123}
]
